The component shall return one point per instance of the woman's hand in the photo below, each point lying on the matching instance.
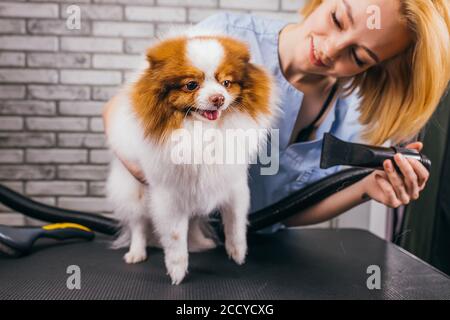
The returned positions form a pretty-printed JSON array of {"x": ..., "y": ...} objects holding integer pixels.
[
  {"x": 394, "y": 189},
  {"x": 108, "y": 110}
]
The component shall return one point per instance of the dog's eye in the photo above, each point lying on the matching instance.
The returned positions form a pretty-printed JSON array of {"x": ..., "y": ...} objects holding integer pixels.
[
  {"x": 226, "y": 83},
  {"x": 191, "y": 85}
]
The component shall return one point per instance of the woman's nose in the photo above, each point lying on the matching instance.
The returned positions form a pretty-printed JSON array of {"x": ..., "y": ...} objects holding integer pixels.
[{"x": 332, "y": 50}]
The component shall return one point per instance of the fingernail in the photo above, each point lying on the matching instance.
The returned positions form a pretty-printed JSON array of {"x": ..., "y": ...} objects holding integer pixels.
[
  {"x": 400, "y": 157},
  {"x": 388, "y": 166}
]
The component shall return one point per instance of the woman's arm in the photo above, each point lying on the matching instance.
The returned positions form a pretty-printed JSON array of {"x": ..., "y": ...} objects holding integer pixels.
[
  {"x": 387, "y": 187},
  {"x": 108, "y": 110},
  {"x": 331, "y": 207}
]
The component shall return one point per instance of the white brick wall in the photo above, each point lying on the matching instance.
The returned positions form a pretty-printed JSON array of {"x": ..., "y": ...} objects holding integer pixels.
[
  {"x": 54, "y": 82},
  {"x": 27, "y": 172},
  {"x": 292, "y": 5},
  {"x": 27, "y": 107},
  {"x": 12, "y": 92},
  {"x": 26, "y": 139},
  {"x": 90, "y": 77},
  {"x": 81, "y": 108},
  {"x": 28, "y": 75},
  {"x": 61, "y": 188},
  {"x": 54, "y": 27},
  {"x": 116, "y": 61},
  {"x": 28, "y": 43},
  {"x": 190, "y": 3},
  {"x": 59, "y": 92},
  {"x": 12, "y": 59},
  {"x": 96, "y": 12},
  {"x": 56, "y": 124},
  {"x": 250, "y": 4},
  {"x": 91, "y": 44},
  {"x": 82, "y": 140},
  {"x": 123, "y": 29},
  {"x": 99, "y": 156},
  {"x": 28, "y": 10},
  {"x": 56, "y": 156},
  {"x": 59, "y": 60},
  {"x": 172, "y": 14},
  {"x": 11, "y": 156},
  {"x": 82, "y": 172},
  {"x": 11, "y": 123},
  {"x": 12, "y": 26}
]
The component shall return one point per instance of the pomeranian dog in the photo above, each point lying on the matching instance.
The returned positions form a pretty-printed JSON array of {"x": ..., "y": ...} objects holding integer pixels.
[{"x": 190, "y": 79}]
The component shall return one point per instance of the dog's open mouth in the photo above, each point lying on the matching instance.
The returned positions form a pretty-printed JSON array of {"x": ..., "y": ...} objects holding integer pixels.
[{"x": 208, "y": 114}]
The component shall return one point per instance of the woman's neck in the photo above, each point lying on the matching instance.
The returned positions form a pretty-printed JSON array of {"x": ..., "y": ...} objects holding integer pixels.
[{"x": 308, "y": 83}]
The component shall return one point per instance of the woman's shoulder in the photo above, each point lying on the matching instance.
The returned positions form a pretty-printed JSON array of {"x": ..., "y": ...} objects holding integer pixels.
[
  {"x": 239, "y": 23},
  {"x": 259, "y": 33}
]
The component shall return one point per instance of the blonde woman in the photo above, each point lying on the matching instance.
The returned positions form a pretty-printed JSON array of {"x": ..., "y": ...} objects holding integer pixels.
[{"x": 371, "y": 70}]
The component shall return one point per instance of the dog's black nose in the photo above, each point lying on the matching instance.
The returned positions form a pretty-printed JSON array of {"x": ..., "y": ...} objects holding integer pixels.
[{"x": 217, "y": 100}]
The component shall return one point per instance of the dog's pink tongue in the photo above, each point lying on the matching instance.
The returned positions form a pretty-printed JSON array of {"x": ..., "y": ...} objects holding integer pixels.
[{"x": 211, "y": 115}]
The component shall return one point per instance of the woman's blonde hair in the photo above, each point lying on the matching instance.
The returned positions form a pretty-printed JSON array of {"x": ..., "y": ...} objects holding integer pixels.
[{"x": 400, "y": 95}]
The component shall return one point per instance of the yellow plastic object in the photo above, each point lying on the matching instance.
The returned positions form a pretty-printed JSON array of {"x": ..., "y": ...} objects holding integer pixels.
[{"x": 66, "y": 225}]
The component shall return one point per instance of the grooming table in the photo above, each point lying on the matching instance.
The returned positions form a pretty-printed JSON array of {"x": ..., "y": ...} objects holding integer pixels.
[{"x": 290, "y": 264}]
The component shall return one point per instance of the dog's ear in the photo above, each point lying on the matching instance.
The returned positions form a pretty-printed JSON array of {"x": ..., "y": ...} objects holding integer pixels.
[
  {"x": 164, "y": 50},
  {"x": 152, "y": 57},
  {"x": 241, "y": 51},
  {"x": 237, "y": 49}
]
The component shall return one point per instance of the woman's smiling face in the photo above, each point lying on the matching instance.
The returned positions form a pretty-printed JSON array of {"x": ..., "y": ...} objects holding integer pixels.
[{"x": 340, "y": 40}]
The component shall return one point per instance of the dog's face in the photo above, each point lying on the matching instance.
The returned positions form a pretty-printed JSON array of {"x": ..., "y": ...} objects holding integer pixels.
[
  {"x": 201, "y": 78},
  {"x": 206, "y": 77}
]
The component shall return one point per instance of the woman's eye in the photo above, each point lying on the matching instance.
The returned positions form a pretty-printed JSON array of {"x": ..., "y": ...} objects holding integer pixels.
[
  {"x": 226, "y": 83},
  {"x": 335, "y": 20},
  {"x": 191, "y": 85},
  {"x": 357, "y": 60}
]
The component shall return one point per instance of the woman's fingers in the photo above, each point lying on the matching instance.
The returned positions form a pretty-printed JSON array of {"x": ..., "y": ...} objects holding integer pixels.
[
  {"x": 422, "y": 173},
  {"x": 134, "y": 169},
  {"x": 136, "y": 172},
  {"x": 415, "y": 145},
  {"x": 396, "y": 181},
  {"x": 399, "y": 187},
  {"x": 389, "y": 195},
  {"x": 409, "y": 176}
]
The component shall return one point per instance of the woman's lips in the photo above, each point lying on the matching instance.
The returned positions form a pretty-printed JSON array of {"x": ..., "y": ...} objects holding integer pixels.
[{"x": 312, "y": 56}]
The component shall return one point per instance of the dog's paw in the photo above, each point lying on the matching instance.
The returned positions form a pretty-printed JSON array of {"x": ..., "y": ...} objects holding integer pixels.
[
  {"x": 199, "y": 245},
  {"x": 236, "y": 251},
  {"x": 135, "y": 256},
  {"x": 177, "y": 268}
]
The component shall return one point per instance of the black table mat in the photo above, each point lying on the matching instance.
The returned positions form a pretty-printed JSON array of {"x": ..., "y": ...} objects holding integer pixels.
[{"x": 290, "y": 264}]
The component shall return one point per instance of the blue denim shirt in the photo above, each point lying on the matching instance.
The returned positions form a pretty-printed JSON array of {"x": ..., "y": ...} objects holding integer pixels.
[{"x": 298, "y": 162}]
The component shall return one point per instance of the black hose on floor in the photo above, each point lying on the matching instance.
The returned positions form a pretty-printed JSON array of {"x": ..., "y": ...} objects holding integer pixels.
[{"x": 40, "y": 211}]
